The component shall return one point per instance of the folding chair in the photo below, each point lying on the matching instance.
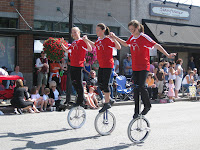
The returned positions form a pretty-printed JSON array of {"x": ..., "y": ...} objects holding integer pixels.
[{"x": 123, "y": 92}]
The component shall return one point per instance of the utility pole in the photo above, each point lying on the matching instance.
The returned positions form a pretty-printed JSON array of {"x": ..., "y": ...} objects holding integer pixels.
[
  {"x": 71, "y": 20},
  {"x": 69, "y": 82}
]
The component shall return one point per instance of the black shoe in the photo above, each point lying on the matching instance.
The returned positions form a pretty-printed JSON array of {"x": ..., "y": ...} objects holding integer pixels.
[
  {"x": 105, "y": 107},
  {"x": 112, "y": 101},
  {"x": 135, "y": 116},
  {"x": 145, "y": 111},
  {"x": 20, "y": 111}
]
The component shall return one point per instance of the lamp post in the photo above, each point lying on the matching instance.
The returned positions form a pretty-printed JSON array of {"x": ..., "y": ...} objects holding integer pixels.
[{"x": 69, "y": 82}]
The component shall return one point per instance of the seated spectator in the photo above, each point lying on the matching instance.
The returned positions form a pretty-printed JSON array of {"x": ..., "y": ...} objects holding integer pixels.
[
  {"x": 90, "y": 97},
  {"x": 198, "y": 88},
  {"x": 188, "y": 80},
  {"x": 18, "y": 99},
  {"x": 37, "y": 99},
  {"x": 93, "y": 82},
  {"x": 46, "y": 99},
  {"x": 196, "y": 77},
  {"x": 151, "y": 87},
  {"x": 54, "y": 94}
]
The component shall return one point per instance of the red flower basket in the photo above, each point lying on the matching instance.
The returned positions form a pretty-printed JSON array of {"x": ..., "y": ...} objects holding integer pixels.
[{"x": 53, "y": 49}]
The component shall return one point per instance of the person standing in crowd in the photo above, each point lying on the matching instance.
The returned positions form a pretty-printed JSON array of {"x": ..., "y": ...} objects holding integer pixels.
[
  {"x": 16, "y": 72},
  {"x": 166, "y": 71},
  {"x": 127, "y": 66},
  {"x": 172, "y": 71},
  {"x": 104, "y": 48},
  {"x": 43, "y": 68},
  {"x": 139, "y": 44},
  {"x": 54, "y": 73},
  {"x": 3, "y": 72},
  {"x": 95, "y": 66},
  {"x": 191, "y": 63},
  {"x": 78, "y": 51},
  {"x": 86, "y": 71},
  {"x": 160, "y": 77},
  {"x": 171, "y": 90},
  {"x": 116, "y": 64},
  {"x": 179, "y": 76},
  {"x": 63, "y": 75},
  {"x": 152, "y": 67}
]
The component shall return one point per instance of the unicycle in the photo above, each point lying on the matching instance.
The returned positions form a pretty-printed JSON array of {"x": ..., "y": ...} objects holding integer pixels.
[
  {"x": 105, "y": 123},
  {"x": 76, "y": 117},
  {"x": 139, "y": 128}
]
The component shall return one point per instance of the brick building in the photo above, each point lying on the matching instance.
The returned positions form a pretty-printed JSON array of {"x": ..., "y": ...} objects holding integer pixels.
[{"x": 49, "y": 18}]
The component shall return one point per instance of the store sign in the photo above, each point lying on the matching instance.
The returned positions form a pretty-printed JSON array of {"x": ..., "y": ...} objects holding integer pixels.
[{"x": 168, "y": 11}]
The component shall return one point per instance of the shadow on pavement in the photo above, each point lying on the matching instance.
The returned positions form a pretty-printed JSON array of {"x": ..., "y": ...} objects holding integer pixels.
[
  {"x": 31, "y": 134},
  {"x": 50, "y": 144}
]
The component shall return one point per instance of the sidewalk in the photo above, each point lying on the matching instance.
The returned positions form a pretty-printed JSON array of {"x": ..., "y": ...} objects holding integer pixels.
[{"x": 7, "y": 108}]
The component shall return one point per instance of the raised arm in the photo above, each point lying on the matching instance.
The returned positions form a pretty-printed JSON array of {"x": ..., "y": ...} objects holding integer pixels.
[
  {"x": 117, "y": 45},
  {"x": 86, "y": 40},
  {"x": 119, "y": 39},
  {"x": 162, "y": 50}
]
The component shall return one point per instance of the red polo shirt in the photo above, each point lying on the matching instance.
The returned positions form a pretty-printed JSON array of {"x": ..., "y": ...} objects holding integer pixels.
[
  {"x": 77, "y": 52},
  {"x": 104, "y": 49},
  {"x": 140, "y": 51}
]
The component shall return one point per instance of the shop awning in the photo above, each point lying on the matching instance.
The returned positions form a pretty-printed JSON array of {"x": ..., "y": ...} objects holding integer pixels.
[{"x": 175, "y": 34}]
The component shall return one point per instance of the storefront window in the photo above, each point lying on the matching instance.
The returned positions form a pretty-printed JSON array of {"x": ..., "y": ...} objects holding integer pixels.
[
  {"x": 43, "y": 25},
  {"x": 116, "y": 30},
  {"x": 8, "y": 23},
  {"x": 7, "y": 52}
]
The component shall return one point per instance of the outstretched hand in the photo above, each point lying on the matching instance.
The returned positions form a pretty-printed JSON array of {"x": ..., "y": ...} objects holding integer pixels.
[
  {"x": 172, "y": 55},
  {"x": 112, "y": 35},
  {"x": 85, "y": 38},
  {"x": 64, "y": 47}
]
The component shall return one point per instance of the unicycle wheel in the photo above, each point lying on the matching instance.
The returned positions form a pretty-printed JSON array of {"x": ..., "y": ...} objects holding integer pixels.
[
  {"x": 138, "y": 129},
  {"x": 105, "y": 123},
  {"x": 76, "y": 117}
]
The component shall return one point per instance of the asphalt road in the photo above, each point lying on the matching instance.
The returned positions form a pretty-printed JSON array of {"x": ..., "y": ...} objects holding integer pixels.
[{"x": 174, "y": 126}]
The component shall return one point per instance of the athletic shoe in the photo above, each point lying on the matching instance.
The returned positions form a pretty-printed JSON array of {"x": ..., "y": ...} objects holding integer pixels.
[
  {"x": 135, "y": 116},
  {"x": 105, "y": 107}
]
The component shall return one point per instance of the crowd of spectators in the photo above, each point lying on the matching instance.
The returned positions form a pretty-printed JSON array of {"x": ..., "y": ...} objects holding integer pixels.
[{"x": 52, "y": 78}]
